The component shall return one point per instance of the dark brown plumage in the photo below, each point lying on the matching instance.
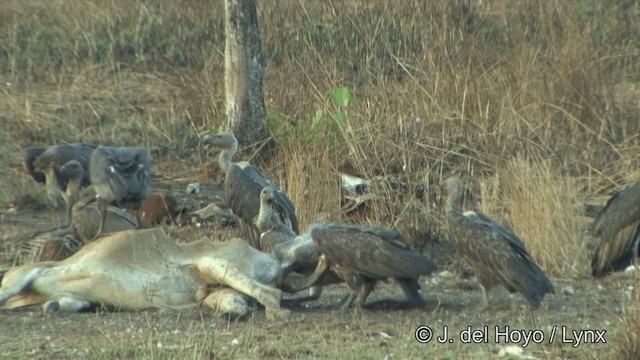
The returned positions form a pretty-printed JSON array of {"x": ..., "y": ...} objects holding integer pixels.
[
  {"x": 43, "y": 164},
  {"x": 617, "y": 227},
  {"x": 363, "y": 255},
  {"x": 494, "y": 251},
  {"x": 119, "y": 175},
  {"x": 243, "y": 184}
]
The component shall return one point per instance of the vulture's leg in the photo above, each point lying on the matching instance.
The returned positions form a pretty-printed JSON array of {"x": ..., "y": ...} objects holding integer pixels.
[
  {"x": 485, "y": 298},
  {"x": 411, "y": 290},
  {"x": 365, "y": 289},
  {"x": 348, "y": 301}
]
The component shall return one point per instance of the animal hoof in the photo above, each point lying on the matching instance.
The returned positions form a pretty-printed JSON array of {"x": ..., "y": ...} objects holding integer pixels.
[
  {"x": 278, "y": 314},
  {"x": 51, "y": 306}
]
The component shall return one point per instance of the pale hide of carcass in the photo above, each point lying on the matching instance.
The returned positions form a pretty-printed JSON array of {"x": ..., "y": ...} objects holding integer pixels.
[{"x": 142, "y": 269}]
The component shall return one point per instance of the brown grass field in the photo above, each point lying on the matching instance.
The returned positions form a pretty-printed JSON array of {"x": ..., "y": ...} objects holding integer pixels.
[{"x": 536, "y": 104}]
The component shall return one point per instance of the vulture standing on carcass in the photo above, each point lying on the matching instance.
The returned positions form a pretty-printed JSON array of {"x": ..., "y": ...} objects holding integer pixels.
[
  {"x": 617, "y": 226},
  {"x": 119, "y": 175},
  {"x": 493, "y": 250},
  {"x": 362, "y": 255},
  {"x": 243, "y": 184},
  {"x": 43, "y": 164}
]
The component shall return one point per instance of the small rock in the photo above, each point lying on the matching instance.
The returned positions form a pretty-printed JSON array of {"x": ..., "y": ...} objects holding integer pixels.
[
  {"x": 384, "y": 335},
  {"x": 235, "y": 342},
  {"x": 512, "y": 350},
  {"x": 193, "y": 188},
  {"x": 568, "y": 290}
]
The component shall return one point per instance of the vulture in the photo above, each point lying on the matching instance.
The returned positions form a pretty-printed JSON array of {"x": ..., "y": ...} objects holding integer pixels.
[
  {"x": 493, "y": 250},
  {"x": 362, "y": 255},
  {"x": 617, "y": 226},
  {"x": 119, "y": 175},
  {"x": 296, "y": 252},
  {"x": 43, "y": 164},
  {"x": 243, "y": 184}
]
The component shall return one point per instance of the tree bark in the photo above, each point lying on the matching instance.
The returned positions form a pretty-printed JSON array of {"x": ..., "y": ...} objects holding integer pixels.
[{"x": 245, "y": 107}]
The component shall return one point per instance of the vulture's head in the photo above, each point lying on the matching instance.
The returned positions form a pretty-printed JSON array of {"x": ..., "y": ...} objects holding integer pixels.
[
  {"x": 223, "y": 140},
  {"x": 267, "y": 195}
]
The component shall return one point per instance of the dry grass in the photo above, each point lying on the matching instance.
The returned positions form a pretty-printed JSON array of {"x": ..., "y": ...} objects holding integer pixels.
[
  {"x": 545, "y": 210},
  {"x": 536, "y": 100}
]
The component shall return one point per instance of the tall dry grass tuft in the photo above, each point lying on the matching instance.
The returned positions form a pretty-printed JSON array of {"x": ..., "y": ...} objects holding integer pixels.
[
  {"x": 310, "y": 182},
  {"x": 544, "y": 208},
  {"x": 627, "y": 346}
]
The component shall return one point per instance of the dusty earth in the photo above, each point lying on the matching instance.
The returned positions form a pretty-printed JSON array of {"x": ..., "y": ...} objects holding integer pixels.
[{"x": 383, "y": 330}]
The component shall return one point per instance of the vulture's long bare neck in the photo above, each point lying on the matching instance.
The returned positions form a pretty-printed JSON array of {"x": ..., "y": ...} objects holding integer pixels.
[
  {"x": 264, "y": 222},
  {"x": 73, "y": 190},
  {"x": 226, "y": 156}
]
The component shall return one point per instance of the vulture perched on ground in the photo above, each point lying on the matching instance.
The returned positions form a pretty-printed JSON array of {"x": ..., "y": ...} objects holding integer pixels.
[
  {"x": 493, "y": 250},
  {"x": 119, "y": 175},
  {"x": 243, "y": 184},
  {"x": 43, "y": 164},
  {"x": 362, "y": 255},
  {"x": 617, "y": 226}
]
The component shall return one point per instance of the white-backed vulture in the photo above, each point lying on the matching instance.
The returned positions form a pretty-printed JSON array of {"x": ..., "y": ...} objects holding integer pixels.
[
  {"x": 119, "y": 175},
  {"x": 43, "y": 164},
  {"x": 493, "y": 250},
  {"x": 243, "y": 184},
  {"x": 617, "y": 227},
  {"x": 363, "y": 255}
]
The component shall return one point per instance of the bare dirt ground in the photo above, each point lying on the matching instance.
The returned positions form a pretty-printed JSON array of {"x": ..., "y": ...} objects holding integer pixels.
[{"x": 383, "y": 330}]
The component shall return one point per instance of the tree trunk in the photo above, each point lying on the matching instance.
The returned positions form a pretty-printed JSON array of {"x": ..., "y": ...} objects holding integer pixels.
[{"x": 246, "y": 113}]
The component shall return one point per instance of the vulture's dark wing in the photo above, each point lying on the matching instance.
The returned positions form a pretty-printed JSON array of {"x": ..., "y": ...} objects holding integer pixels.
[
  {"x": 482, "y": 220},
  {"x": 243, "y": 184},
  {"x": 367, "y": 253},
  {"x": 617, "y": 226},
  {"x": 56, "y": 156},
  {"x": 497, "y": 254},
  {"x": 30, "y": 156}
]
